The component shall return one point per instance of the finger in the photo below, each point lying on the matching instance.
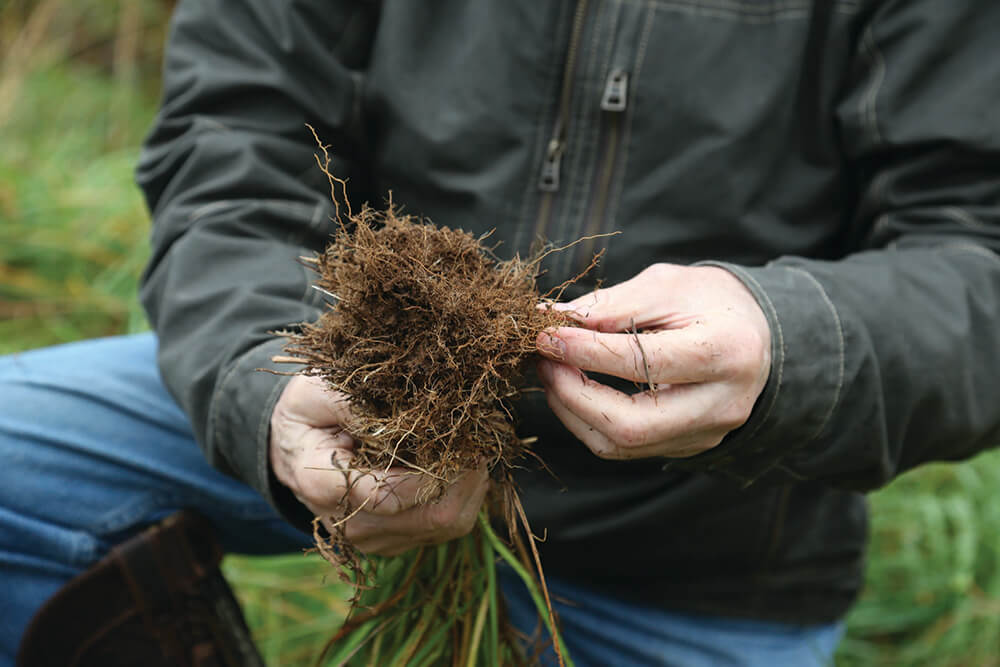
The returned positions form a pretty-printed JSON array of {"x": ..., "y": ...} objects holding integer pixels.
[
  {"x": 372, "y": 542},
  {"x": 448, "y": 517},
  {"x": 650, "y": 299},
  {"x": 698, "y": 353},
  {"x": 387, "y": 492},
  {"x": 331, "y": 480},
  {"x": 328, "y": 477},
  {"x": 674, "y": 418},
  {"x": 590, "y": 435},
  {"x": 322, "y": 469},
  {"x": 604, "y": 447},
  {"x": 608, "y": 309}
]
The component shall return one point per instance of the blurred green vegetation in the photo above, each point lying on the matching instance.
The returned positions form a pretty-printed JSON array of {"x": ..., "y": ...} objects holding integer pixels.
[
  {"x": 932, "y": 587},
  {"x": 78, "y": 86},
  {"x": 293, "y": 604},
  {"x": 77, "y": 89},
  {"x": 72, "y": 225}
]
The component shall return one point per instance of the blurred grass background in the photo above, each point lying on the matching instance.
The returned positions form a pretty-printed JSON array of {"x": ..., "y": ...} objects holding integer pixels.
[{"x": 78, "y": 86}]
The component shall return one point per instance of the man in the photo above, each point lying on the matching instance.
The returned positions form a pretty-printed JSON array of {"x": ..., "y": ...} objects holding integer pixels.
[{"x": 809, "y": 202}]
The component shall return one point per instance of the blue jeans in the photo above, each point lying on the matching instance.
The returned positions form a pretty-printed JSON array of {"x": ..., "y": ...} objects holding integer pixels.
[{"x": 93, "y": 448}]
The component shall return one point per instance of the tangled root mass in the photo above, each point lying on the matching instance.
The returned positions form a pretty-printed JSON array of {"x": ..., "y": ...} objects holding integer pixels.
[{"x": 427, "y": 335}]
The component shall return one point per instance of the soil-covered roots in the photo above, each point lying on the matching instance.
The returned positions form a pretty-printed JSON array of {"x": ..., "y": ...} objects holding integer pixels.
[{"x": 428, "y": 336}]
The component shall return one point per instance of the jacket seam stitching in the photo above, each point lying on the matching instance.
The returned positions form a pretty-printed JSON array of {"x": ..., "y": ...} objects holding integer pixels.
[
  {"x": 603, "y": 69},
  {"x": 214, "y": 454},
  {"x": 964, "y": 218},
  {"x": 841, "y": 349},
  {"x": 781, "y": 353},
  {"x": 263, "y": 444},
  {"x": 575, "y": 154},
  {"x": 610, "y": 215},
  {"x": 790, "y": 13},
  {"x": 217, "y": 395},
  {"x": 751, "y": 13},
  {"x": 869, "y": 101}
]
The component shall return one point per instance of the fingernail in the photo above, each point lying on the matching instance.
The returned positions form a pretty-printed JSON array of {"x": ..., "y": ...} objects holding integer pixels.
[{"x": 552, "y": 345}]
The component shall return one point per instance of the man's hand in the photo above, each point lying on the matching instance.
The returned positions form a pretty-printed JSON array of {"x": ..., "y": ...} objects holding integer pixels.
[
  {"x": 705, "y": 347},
  {"x": 311, "y": 453}
]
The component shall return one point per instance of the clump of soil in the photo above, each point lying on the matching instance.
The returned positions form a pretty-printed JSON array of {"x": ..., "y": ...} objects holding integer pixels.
[{"x": 428, "y": 336}]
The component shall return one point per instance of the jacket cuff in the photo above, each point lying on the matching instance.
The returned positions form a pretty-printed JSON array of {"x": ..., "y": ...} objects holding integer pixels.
[
  {"x": 806, "y": 379},
  {"x": 239, "y": 426}
]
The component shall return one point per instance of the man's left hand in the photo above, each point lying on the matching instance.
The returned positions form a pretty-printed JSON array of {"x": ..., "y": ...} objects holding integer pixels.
[{"x": 695, "y": 337}]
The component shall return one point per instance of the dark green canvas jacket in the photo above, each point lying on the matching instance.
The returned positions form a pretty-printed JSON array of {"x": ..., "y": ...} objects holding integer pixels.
[{"x": 842, "y": 158}]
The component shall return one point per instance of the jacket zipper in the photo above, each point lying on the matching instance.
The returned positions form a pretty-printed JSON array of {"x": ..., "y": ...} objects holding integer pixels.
[
  {"x": 548, "y": 181},
  {"x": 614, "y": 102}
]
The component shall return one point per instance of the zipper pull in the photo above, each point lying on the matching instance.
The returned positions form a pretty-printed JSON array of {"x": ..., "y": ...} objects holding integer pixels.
[
  {"x": 615, "y": 91},
  {"x": 549, "y": 182}
]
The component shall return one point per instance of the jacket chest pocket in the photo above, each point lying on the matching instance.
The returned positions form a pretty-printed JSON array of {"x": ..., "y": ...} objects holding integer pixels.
[{"x": 682, "y": 132}]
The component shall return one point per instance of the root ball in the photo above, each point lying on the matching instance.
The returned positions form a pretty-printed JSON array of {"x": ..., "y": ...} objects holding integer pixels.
[{"x": 427, "y": 334}]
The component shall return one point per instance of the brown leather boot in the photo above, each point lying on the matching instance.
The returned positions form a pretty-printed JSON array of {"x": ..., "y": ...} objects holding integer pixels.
[{"x": 157, "y": 600}]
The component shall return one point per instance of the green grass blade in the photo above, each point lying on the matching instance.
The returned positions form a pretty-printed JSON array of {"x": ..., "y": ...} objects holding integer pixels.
[{"x": 529, "y": 582}]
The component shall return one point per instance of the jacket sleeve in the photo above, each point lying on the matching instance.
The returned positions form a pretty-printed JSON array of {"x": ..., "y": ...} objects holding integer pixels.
[
  {"x": 236, "y": 197},
  {"x": 890, "y": 357}
]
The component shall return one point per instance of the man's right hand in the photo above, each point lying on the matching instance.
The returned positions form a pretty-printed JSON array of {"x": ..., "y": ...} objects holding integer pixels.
[{"x": 312, "y": 453}]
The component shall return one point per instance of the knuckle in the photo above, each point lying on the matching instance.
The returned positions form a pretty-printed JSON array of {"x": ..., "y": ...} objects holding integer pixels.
[
  {"x": 748, "y": 355},
  {"x": 553, "y": 397},
  {"x": 704, "y": 442},
  {"x": 706, "y": 354},
  {"x": 715, "y": 440},
  {"x": 462, "y": 526},
  {"x": 354, "y": 534},
  {"x": 657, "y": 272},
  {"x": 316, "y": 495},
  {"x": 352, "y": 493},
  {"x": 605, "y": 452},
  {"x": 710, "y": 442},
  {"x": 441, "y": 517},
  {"x": 735, "y": 415},
  {"x": 705, "y": 351},
  {"x": 628, "y": 434}
]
